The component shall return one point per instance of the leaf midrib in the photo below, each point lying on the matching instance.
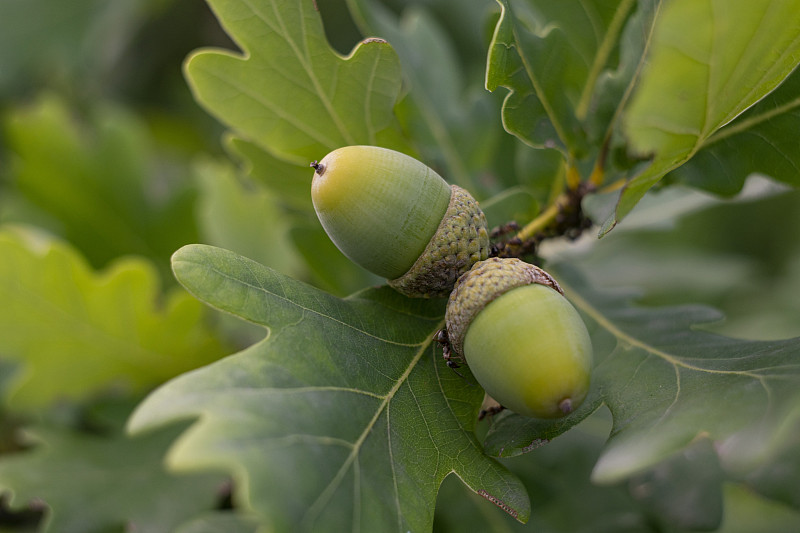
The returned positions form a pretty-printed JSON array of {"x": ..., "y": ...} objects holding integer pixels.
[
  {"x": 316, "y": 508},
  {"x": 303, "y": 60},
  {"x": 285, "y": 299},
  {"x": 635, "y": 342}
]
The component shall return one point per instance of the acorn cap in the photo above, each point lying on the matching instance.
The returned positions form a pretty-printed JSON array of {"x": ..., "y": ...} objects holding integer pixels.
[
  {"x": 482, "y": 284},
  {"x": 460, "y": 241}
]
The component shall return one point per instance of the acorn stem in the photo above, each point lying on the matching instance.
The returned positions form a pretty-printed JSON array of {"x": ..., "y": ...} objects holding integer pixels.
[
  {"x": 543, "y": 219},
  {"x": 318, "y": 167}
]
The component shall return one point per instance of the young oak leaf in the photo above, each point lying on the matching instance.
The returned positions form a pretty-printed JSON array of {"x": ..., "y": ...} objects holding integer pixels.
[
  {"x": 342, "y": 419},
  {"x": 289, "y": 91},
  {"x": 549, "y": 56},
  {"x": 709, "y": 61},
  {"x": 99, "y": 180},
  {"x": 74, "y": 333},
  {"x": 668, "y": 384},
  {"x": 761, "y": 140}
]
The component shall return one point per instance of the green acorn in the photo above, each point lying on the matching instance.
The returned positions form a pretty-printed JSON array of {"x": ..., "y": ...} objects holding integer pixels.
[
  {"x": 522, "y": 339},
  {"x": 396, "y": 217}
]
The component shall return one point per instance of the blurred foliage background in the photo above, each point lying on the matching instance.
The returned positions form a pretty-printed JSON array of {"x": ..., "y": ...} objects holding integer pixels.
[{"x": 103, "y": 148}]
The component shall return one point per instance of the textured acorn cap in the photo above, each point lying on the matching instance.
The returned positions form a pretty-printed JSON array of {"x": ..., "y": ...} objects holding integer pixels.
[
  {"x": 481, "y": 285},
  {"x": 461, "y": 240}
]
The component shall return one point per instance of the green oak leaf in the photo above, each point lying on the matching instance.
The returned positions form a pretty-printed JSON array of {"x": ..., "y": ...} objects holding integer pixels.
[
  {"x": 708, "y": 62},
  {"x": 669, "y": 384},
  {"x": 289, "y": 91},
  {"x": 439, "y": 89},
  {"x": 97, "y": 181},
  {"x": 549, "y": 55},
  {"x": 120, "y": 479},
  {"x": 289, "y": 183},
  {"x": 343, "y": 419},
  {"x": 761, "y": 140},
  {"x": 75, "y": 332},
  {"x": 238, "y": 216}
]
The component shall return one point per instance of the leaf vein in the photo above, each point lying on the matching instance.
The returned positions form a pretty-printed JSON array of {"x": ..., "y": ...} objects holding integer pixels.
[
  {"x": 319, "y": 313},
  {"x": 316, "y": 508}
]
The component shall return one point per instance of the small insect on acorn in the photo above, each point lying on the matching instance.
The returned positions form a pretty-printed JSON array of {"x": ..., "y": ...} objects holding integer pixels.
[{"x": 453, "y": 361}]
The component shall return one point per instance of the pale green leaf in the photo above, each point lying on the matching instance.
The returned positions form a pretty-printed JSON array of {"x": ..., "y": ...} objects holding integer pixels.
[
  {"x": 288, "y": 91},
  {"x": 344, "y": 419},
  {"x": 709, "y": 61},
  {"x": 761, "y": 140},
  {"x": 98, "y": 181},
  {"x": 75, "y": 332},
  {"x": 237, "y": 215}
]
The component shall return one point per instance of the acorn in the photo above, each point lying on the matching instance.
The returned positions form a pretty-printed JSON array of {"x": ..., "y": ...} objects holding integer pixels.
[
  {"x": 397, "y": 218},
  {"x": 521, "y": 338}
]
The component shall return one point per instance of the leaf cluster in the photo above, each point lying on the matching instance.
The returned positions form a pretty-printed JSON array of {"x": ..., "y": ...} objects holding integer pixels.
[{"x": 182, "y": 347}]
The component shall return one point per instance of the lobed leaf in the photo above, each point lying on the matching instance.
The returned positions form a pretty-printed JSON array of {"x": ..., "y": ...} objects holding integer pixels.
[
  {"x": 97, "y": 181},
  {"x": 288, "y": 91},
  {"x": 450, "y": 118},
  {"x": 709, "y": 61},
  {"x": 550, "y": 55},
  {"x": 343, "y": 419},
  {"x": 74, "y": 332},
  {"x": 669, "y": 384},
  {"x": 237, "y": 216}
]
